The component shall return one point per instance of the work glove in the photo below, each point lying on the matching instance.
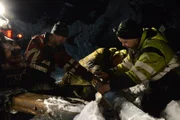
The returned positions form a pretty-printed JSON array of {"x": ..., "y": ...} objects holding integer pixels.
[{"x": 65, "y": 80}]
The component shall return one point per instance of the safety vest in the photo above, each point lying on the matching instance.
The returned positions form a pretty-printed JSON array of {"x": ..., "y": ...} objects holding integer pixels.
[
  {"x": 151, "y": 60},
  {"x": 44, "y": 58}
]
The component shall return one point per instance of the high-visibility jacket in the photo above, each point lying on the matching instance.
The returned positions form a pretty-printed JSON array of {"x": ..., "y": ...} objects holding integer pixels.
[
  {"x": 44, "y": 58},
  {"x": 102, "y": 59},
  {"x": 152, "y": 60},
  {"x": 99, "y": 60}
]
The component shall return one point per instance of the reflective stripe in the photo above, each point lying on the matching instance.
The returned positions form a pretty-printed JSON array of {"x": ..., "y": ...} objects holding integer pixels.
[
  {"x": 146, "y": 67},
  {"x": 30, "y": 52},
  {"x": 37, "y": 67},
  {"x": 72, "y": 61},
  {"x": 140, "y": 75},
  {"x": 66, "y": 66},
  {"x": 46, "y": 62},
  {"x": 42, "y": 41},
  {"x": 35, "y": 56},
  {"x": 126, "y": 63},
  {"x": 171, "y": 65}
]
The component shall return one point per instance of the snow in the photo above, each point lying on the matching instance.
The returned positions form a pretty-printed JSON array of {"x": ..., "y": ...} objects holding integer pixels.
[
  {"x": 54, "y": 104},
  {"x": 59, "y": 108},
  {"x": 172, "y": 111},
  {"x": 90, "y": 112},
  {"x": 62, "y": 109},
  {"x": 128, "y": 111}
]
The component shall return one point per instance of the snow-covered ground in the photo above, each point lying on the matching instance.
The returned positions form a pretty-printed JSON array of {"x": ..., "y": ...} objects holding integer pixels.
[
  {"x": 59, "y": 108},
  {"x": 172, "y": 111},
  {"x": 62, "y": 109}
]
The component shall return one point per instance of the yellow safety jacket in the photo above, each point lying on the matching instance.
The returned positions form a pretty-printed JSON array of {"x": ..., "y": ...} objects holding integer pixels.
[
  {"x": 150, "y": 61},
  {"x": 99, "y": 60},
  {"x": 102, "y": 59}
]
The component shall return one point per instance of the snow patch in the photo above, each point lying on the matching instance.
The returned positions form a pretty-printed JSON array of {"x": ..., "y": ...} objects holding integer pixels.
[
  {"x": 90, "y": 112},
  {"x": 129, "y": 111},
  {"x": 54, "y": 104},
  {"x": 59, "y": 108},
  {"x": 139, "y": 88},
  {"x": 172, "y": 111}
]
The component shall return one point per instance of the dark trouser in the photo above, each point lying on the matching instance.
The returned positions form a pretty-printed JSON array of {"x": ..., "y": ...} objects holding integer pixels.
[
  {"x": 38, "y": 82},
  {"x": 162, "y": 92}
]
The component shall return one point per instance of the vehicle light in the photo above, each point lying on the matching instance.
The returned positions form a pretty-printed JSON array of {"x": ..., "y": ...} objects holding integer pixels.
[
  {"x": 9, "y": 33},
  {"x": 19, "y": 36}
]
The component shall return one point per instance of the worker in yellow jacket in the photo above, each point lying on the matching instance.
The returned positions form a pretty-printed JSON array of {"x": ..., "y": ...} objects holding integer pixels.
[
  {"x": 149, "y": 59},
  {"x": 102, "y": 59}
]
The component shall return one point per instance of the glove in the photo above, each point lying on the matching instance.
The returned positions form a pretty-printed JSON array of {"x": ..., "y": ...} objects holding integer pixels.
[{"x": 66, "y": 80}]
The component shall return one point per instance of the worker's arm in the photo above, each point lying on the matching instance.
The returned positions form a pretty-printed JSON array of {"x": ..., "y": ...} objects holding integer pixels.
[
  {"x": 65, "y": 61},
  {"x": 146, "y": 68},
  {"x": 103, "y": 58},
  {"x": 97, "y": 59},
  {"x": 34, "y": 46}
]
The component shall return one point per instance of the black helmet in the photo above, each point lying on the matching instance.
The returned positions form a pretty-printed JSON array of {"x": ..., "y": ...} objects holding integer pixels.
[
  {"x": 129, "y": 29},
  {"x": 60, "y": 28}
]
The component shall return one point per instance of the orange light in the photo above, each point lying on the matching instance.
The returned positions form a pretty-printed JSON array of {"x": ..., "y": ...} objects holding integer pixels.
[
  {"x": 9, "y": 33},
  {"x": 19, "y": 36}
]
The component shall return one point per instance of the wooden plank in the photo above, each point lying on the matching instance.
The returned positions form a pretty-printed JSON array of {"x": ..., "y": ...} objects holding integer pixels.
[{"x": 30, "y": 103}]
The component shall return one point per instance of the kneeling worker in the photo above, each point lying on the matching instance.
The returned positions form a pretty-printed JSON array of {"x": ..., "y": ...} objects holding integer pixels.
[
  {"x": 43, "y": 54},
  {"x": 149, "y": 58}
]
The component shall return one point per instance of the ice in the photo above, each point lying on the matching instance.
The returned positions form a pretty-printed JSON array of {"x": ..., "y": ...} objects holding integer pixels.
[{"x": 172, "y": 111}]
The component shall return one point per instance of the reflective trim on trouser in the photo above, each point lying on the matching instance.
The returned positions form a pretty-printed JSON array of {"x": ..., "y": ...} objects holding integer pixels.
[{"x": 39, "y": 68}]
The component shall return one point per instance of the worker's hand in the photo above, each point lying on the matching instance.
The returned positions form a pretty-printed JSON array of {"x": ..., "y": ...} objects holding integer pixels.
[
  {"x": 66, "y": 79},
  {"x": 100, "y": 86},
  {"x": 103, "y": 88},
  {"x": 102, "y": 75}
]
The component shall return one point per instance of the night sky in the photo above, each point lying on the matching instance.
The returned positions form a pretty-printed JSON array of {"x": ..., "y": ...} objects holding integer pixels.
[{"x": 32, "y": 10}]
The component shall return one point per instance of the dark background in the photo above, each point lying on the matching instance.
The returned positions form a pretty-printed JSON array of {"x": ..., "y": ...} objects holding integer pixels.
[
  {"x": 33, "y": 10},
  {"x": 153, "y": 12}
]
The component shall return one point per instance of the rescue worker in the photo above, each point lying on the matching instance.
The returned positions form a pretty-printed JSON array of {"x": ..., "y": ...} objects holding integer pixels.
[
  {"x": 43, "y": 54},
  {"x": 13, "y": 62},
  {"x": 101, "y": 59},
  {"x": 149, "y": 59}
]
